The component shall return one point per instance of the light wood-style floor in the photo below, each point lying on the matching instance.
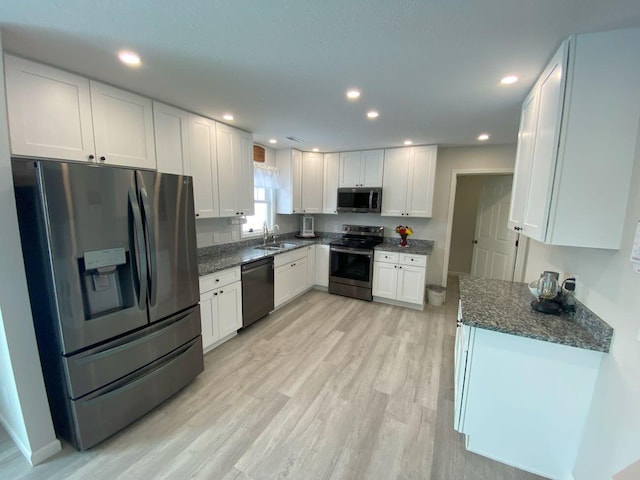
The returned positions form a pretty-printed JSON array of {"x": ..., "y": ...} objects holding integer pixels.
[{"x": 327, "y": 387}]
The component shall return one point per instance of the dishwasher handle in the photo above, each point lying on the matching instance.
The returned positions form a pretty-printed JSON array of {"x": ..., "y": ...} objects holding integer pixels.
[{"x": 252, "y": 266}]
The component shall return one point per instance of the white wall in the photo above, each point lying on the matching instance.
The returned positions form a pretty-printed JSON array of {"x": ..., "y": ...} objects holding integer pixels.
[
  {"x": 609, "y": 287},
  {"x": 212, "y": 231},
  {"x": 24, "y": 409}
]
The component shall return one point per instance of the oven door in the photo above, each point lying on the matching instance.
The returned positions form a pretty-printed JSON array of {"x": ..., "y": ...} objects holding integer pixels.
[{"x": 351, "y": 266}]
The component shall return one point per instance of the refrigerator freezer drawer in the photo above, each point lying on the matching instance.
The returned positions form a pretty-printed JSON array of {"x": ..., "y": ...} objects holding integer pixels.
[
  {"x": 102, "y": 413},
  {"x": 95, "y": 368}
]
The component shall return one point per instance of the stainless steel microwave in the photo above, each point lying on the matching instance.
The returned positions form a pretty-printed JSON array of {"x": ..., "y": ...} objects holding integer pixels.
[{"x": 360, "y": 200}]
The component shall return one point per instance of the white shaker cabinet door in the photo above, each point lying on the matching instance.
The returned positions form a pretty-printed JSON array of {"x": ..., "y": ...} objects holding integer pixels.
[
  {"x": 421, "y": 181},
  {"x": 204, "y": 169},
  {"x": 330, "y": 187},
  {"x": 385, "y": 280},
  {"x": 312, "y": 179},
  {"x": 123, "y": 127},
  {"x": 524, "y": 155},
  {"x": 229, "y": 309},
  {"x": 550, "y": 95},
  {"x": 171, "y": 128},
  {"x": 49, "y": 111},
  {"x": 410, "y": 284},
  {"x": 350, "y": 166},
  {"x": 322, "y": 265},
  {"x": 372, "y": 168},
  {"x": 394, "y": 186}
]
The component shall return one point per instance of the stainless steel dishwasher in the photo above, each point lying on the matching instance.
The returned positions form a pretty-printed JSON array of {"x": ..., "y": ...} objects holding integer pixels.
[{"x": 257, "y": 290}]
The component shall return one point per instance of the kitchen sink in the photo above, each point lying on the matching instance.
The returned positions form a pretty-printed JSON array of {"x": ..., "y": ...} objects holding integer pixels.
[{"x": 277, "y": 246}]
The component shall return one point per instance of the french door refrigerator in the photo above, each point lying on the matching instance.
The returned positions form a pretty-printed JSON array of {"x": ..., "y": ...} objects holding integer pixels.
[{"x": 110, "y": 257}]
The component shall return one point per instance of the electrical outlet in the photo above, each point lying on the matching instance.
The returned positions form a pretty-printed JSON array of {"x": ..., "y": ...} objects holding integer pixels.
[{"x": 235, "y": 235}]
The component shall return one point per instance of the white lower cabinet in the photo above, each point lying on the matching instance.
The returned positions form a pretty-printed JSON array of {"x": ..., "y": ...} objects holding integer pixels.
[
  {"x": 521, "y": 401},
  {"x": 399, "y": 277},
  {"x": 322, "y": 265},
  {"x": 311, "y": 265},
  {"x": 291, "y": 275},
  {"x": 220, "y": 306}
]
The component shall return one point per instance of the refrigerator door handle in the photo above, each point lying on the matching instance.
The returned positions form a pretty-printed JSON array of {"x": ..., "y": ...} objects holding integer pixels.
[
  {"x": 151, "y": 242},
  {"x": 140, "y": 260}
]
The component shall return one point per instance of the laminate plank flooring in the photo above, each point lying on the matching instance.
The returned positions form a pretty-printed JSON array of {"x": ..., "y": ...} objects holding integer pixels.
[{"x": 326, "y": 388}]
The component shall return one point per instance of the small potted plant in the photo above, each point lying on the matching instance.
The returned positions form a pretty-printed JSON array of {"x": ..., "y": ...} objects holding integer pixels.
[{"x": 404, "y": 232}]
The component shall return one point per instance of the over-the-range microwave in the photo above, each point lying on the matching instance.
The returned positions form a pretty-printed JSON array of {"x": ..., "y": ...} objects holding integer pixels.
[{"x": 360, "y": 200}]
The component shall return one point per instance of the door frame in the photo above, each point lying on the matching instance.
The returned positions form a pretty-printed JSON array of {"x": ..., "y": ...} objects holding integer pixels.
[{"x": 521, "y": 252}]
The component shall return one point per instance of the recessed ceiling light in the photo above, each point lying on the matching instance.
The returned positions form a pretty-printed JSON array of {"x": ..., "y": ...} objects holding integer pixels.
[
  {"x": 353, "y": 94},
  {"x": 316, "y": 149},
  {"x": 129, "y": 58},
  {"x": 408, "y": 142},
  {"x": 372, "y": 114},
  {"x": 484, "y": 136},
  {"x": 509, "y": 79},
  {"x": 273, "y": 140},
  {"x": 227, "y": 116}
]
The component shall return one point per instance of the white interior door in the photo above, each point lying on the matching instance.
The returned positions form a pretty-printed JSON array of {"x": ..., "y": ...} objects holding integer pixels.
[{"x": 494, "y": 249}]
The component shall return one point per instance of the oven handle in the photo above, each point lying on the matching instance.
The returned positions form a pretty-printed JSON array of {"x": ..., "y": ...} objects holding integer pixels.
[
  {"x": 371, "y": 200},
  {"x": 355, "y": 252}
]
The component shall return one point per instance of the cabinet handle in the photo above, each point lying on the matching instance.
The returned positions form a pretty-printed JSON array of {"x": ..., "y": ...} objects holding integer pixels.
[
  {"x": 400, "y": 267},
  {"x": 221, "y": 292},
  {"x": 217, "y": 279},
  {"x": 91, "y": 157},
  {"x": 395, "y": 266},
  {"x": 197, "y": 214},
  {"x": 215, "y": 294},
  {"x": 103, "y": 158}
]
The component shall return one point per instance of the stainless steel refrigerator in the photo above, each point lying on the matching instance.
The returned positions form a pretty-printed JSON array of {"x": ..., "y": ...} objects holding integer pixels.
[{"x": 110, "y": 256}]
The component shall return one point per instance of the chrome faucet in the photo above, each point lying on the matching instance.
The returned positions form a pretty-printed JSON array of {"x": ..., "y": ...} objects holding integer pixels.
[{"x": 265, "y": 233}]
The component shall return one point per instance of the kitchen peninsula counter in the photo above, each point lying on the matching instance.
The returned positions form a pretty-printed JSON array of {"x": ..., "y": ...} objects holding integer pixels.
[{"x": 506, "y": 307}]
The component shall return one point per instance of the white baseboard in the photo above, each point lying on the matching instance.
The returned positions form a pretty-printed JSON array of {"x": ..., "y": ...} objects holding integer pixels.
[
  {"x": 39, "y": 455},
  {"x": 45, "y": 452}
]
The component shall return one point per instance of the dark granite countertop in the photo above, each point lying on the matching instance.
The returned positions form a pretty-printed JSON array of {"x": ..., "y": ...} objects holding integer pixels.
[
  {"x": 221, "y": 257},
  {"x": 414, "y": 247},
  {"x": 506, "y": 307}
]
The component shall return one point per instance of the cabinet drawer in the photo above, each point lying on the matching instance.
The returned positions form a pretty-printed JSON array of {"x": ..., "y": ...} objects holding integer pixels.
[
  {"x": 219, "y": 279},
  {"x": 289, "y": 257},
  {"x": 387, "y": 257},
  {"x": 417, "y": 260}
]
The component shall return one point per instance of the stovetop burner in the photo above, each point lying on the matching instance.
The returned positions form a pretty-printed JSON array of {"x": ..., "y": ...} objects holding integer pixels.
[{"x": 360, "y": 236}]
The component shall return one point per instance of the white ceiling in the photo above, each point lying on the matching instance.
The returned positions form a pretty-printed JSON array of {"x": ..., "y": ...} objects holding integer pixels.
[{"x": 431, "y": 67}]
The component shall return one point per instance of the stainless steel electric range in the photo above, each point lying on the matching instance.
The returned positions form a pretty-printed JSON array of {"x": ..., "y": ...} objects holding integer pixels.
[{"x": 351, "y": 261}]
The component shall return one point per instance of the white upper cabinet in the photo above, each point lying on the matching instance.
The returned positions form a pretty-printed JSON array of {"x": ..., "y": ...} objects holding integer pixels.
[
  {"x": 122, "y": 127},
  {"x": 330, "y": 187},
  {"x": 55, "y": 114},
  {"x": 408, "y": 185},
  {"x": 49, "y": 111},
  {"x": 524, "y": 155},
  {"x": 586, "y": 109},
  {"x": 361, "y": 169},
  {"x": 289, "y": 162},
  {"x": 311, "y": 182},
  {"x": 235, "y": 171},
  {"x": 204, "y": 165},
  {"x": 171, "y": 128}
]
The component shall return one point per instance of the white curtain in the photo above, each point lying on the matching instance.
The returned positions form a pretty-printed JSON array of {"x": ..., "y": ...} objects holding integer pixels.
[{"x": 265, "y": 176}]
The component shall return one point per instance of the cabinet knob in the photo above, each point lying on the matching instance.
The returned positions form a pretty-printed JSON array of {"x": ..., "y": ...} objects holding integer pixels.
[
  {"x": 221, "y": 292},
  {"x": 91, "y": 157},
  {"x": 217, "y": 279},
  {"x": 475, "y": 241},
  {"x": 215, "y": 294},
  {"x": 197, "y": 214},
  {"x": 103, "y": 158}
]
